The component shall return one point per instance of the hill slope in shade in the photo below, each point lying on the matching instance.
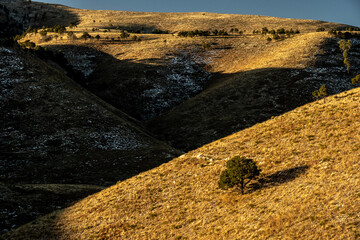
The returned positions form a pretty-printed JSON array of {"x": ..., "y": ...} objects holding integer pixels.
[
  {"x": 55, "y": 132},
  {"x": 53, "y": 121},
  {"x": 308, "y": 190}
]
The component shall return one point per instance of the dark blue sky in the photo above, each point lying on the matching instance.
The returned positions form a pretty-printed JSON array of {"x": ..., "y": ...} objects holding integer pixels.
[{"x": 340, "y": 11}]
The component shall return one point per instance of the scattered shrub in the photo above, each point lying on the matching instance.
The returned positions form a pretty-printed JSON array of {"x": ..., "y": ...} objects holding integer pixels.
[
  {"x": 85, "y": 35},
  {"x": 269, "y": 39},
  {"x": 356, "y": 80},
  {"x": 28, "y": 44},
  {"x": 343, "y": 35},
  {"x": 71, "y": 35},
  {"x": 72, "y": 25},
  {"x": 320, "y": 93},
  {"x": 222, "y": 33},
  {"x": 345, "y": 47},
  {"x": 239, "y": 172},
  {"x": 276, "y": 36},
  {"x": 321, "y": 29},
  {"x": 194, "y": 33},
  {"x": 280, "y": 31},
  {"x": 264, "y": 30},
  {"x": 124, "y": 35}
]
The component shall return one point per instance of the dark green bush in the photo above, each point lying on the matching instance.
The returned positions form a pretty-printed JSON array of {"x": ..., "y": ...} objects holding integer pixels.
[
  {"x": 264, "y": 30},
  {"x": 239, "y": 172},
  {"x": 85, "y": 35},
  {"x": 124, "y": 35},
  {"x": 280, "y": 31},
  {"x": 276, "y": 36}
]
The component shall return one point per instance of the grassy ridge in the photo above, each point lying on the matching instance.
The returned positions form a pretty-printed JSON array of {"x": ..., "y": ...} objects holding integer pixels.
[{"x": 310, "y": 163}]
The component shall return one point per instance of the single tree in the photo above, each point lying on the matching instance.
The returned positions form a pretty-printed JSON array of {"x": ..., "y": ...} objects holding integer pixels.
[{"x": 239, "y": 172}]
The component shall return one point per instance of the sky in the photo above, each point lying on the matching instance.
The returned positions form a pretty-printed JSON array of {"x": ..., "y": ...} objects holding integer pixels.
[{"x": 340, "y": 11}]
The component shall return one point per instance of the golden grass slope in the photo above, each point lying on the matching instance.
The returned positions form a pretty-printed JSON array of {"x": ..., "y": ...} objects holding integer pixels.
[
  {"x": 309, "y": 190},
  {"x": 175, "y": 22}
]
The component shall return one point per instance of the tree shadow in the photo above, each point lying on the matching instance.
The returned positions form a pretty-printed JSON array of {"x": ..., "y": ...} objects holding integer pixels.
[{"x": 277, "y": 178}]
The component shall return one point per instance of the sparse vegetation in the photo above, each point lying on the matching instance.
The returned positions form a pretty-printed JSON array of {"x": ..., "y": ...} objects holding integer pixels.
[
  {"x": 320, "y": 93},
  {"x": 193, "y": 33},
  {"x": 124, "y": 35},
  {"x": 356, "y": 80},
  {"x": 345, "y": 47},
  {"x": 85, "y": 36},
  {"x": 239, "y": 172},
  {"x": 71, "y": 35}
]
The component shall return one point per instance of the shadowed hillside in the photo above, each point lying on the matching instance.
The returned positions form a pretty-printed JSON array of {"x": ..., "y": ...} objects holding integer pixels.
[{"x": 54, "y": 131}]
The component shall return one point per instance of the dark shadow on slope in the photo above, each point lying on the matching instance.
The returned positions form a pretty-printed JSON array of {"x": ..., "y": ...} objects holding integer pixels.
[
  {"x": 142, "y": 89},
  {"x": 60, "y": 133},
  {"x": 277, "y": 178},
  {"x": 21, "y": 204},
  {"x": 53, "y": 131}
]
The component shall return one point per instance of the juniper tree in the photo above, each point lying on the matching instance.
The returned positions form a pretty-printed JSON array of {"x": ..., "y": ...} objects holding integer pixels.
[{"x": 239, "y": 172}]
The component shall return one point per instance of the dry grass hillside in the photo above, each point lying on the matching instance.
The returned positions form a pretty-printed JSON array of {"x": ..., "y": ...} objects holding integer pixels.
[{"x": 310, "y": 172}]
